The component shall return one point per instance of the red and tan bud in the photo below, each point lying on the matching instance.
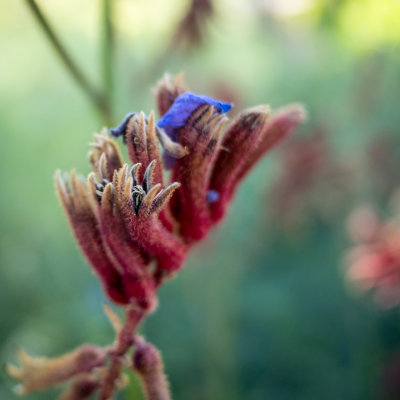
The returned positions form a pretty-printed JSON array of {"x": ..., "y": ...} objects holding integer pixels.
[
  {"x": 167, "y": 90},
  {"x": 104, "y": 145},
  {"x": 148, "y": 364},
  {"x": 240, "y": 140},
  {"x": 278, "y": 127},
  {"x": 141, "y": 139},
  {"x": 79, "y": 207},
  {"x": 201, "y": 137},
  {"x": 82, "y": 387},
  {"x": 246, "y": 141},
  {"x": 140, "y": 213},
  {"x": 124, "y": 251},
  {"x": 38, "y": 373},
  {"x": 162, "y": 197}
]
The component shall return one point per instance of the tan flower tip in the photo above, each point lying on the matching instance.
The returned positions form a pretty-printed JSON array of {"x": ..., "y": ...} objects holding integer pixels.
[{"x": 113, "y": 318}]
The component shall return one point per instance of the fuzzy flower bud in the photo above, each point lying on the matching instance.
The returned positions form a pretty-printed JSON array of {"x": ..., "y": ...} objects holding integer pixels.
[
  {"x": 82, "y": 387},
  {"x": 148, "y": 364},
  {"x": 38, "y": 373},
  {"x": 166, "y": 92}
]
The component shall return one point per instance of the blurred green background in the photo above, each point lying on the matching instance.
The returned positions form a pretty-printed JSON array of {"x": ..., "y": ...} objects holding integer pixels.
[{"x": 262, "y": 309}]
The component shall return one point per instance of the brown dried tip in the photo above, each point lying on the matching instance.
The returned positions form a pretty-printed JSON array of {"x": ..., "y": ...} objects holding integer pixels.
[
  {"x": 145, "y": 196},
  {"x": 106, "y": 147},
  {"x": 113, "y": 318},
  {"x": 141, "y": 139},
  {"x": 167, "y": 90},
  {"x": 278, "y": 127},
  {"x": 38, "y": 373}
]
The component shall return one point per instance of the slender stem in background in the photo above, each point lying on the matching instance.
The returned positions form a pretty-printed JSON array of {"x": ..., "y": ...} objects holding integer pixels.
[
  {"x": 99, "y": 101},
  {"x": 108, "y": 49},
  {"x": 124, "y": 342}
]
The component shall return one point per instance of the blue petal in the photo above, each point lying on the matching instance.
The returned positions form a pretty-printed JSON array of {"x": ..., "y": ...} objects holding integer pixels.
[
  {"x": 168, "y": 160},
  {"x": 183, "y": 107},
  {"x": 121, "y": 128}
]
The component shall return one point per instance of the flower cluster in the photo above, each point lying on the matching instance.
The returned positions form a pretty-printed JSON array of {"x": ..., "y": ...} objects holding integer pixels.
[
  {"x": 136, "y": 229},
  {"x": 136, "y": 222},
  {"x": 374, "y": 262}
]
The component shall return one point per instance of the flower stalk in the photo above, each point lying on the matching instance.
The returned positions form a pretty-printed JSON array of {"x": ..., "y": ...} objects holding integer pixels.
[
  {"x": 99, "y": 100},
  {"x": 125, "y": 340},
  {"x": 108, "y": 50}
]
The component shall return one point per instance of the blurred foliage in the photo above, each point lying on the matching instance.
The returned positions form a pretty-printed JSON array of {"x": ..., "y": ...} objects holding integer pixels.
[{"x": 259, "y": 311}]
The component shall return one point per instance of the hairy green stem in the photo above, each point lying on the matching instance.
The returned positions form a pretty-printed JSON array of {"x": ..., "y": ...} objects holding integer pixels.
[
  {"x": 124, "y": 341},
  {"x": 108, "y": 49},
  {"x": 100, "y": 102}
]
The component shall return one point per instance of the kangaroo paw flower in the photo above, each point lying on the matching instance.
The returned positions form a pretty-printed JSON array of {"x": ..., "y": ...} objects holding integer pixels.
[
  {"x": 36, "y": 373},
  {"x": 148, "y": 364},
  {"x": 126, "y": 219},
  {"x": 82, "y": 387},
  {"x": 136, "y": 221},
  {"x": 105, "y": 150},
  {"x": 241, "y": 139}
]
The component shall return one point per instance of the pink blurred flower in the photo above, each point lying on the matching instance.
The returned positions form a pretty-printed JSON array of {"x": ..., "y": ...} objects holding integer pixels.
[{"x": 374, "y": 262}]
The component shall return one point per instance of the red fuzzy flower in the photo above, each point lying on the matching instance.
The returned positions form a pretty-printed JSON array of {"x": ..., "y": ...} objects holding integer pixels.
[{"x": 134, "y": 228}]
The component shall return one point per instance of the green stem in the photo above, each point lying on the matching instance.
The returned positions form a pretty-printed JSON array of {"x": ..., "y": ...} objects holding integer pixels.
[
  {"x": 99, "y": 101},
  {"x": 124, "y": 341},
  {"x": 108, "y": 49}
]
